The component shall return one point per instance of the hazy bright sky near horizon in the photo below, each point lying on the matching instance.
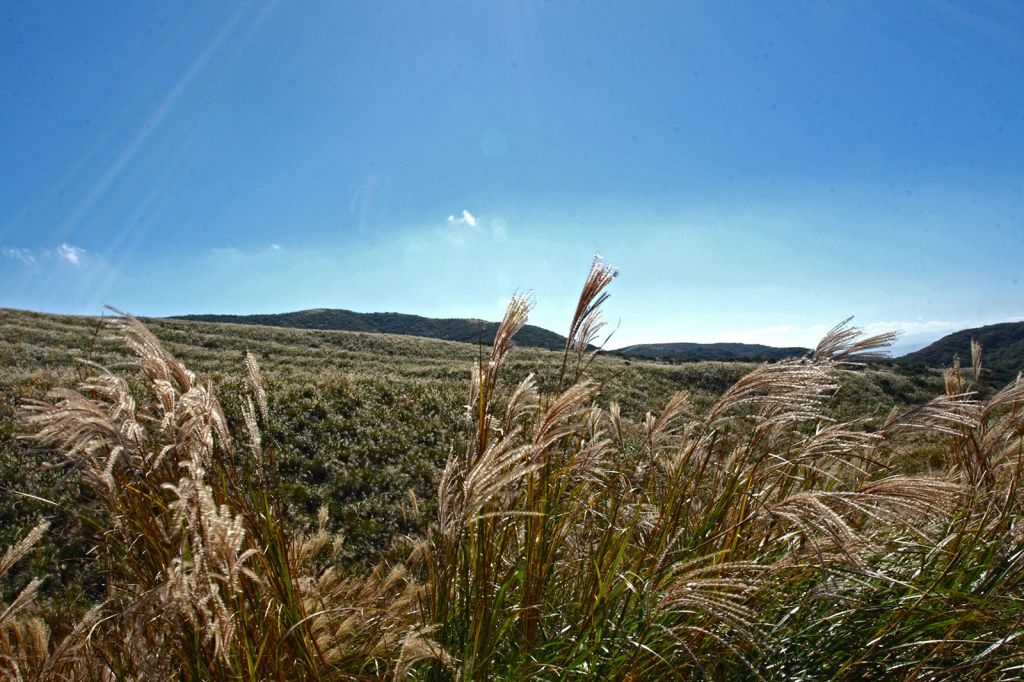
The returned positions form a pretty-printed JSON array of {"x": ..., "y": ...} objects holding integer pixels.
[{"x": 758, "y": 171}]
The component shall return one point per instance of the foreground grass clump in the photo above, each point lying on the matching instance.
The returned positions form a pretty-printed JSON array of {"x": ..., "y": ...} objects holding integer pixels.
[{"x": 754, "y": 537}]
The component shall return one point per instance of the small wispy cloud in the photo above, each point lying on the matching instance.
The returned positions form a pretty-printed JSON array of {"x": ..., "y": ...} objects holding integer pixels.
[
  {"x": 466, "y": 226},
  {"x": 935, "y": 328},
  {"x": 914, "y": 326},
  {"x": 68, "y": 253},
  {"x": 461, "y": 228},
  {"x": 467, "y": 218},
  {"x": 71, "y": 254},
  {"x": 24, "y": 255},
  {"x": 235, "y": 253},
  {"x": 788, "y": 334}
]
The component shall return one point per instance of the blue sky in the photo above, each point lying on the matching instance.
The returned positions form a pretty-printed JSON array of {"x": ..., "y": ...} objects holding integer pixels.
[{"x": 758, "y": 171}]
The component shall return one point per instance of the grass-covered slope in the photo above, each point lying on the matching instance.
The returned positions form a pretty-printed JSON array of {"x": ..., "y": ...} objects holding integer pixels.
[
  {"x": 1002, "y": 346},
  {"x": 633, "y": 520},
  {"x": 360, "y": 418},
  {"x": 453, "y": 329},
  {"x": 692, "y": 352}
]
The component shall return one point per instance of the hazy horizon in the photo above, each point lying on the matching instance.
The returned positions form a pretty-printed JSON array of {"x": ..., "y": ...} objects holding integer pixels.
[
  {"x": 904, "y": 344},
  {"x": 757, "y": 172}
]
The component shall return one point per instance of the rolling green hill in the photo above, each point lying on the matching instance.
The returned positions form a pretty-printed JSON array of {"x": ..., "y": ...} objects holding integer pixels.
[
  {"x": 692, "y": 352},
  {"x": 360, "y": 418},
  {"x": 1002, "y": 348},
  {"x": 451, "y": 329}
]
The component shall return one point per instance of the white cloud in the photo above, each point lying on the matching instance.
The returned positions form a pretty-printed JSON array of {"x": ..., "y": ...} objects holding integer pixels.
[
  {"x": 914, "y": 326},
  {"x": 24, "y": 255},
  {"x": 461, "y": 229},
  {"x": 466, "y": 219},
  {"x": 72, "y": 254},
  {"x": 235, "y": 253}
]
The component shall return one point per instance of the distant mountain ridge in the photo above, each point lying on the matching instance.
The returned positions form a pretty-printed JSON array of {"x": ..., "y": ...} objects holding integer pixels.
[
  {"x": 1002, "y": 350},
  {"x": 473, "y": 330},
  {"x": 336, "y": 319},
  {"x": 692, "y": 352}
]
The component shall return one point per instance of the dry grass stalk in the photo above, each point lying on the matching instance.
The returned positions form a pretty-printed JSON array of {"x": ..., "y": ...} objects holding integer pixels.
[
  {"x": 586, "y": 324},
  {"x": 11, "y": 556},
  {"x": 845, "y": 343}
]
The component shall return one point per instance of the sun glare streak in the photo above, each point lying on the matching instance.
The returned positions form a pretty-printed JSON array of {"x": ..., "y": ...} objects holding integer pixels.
[
  {"x": 149, "y": 125},
  {"x": 137, "y": 224}
]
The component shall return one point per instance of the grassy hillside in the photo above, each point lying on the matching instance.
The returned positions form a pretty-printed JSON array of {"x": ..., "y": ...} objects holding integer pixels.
[
  {"x": 467, "y": 331},
  {"x": 361, "y": 417},
  {"x": 692, "y": 352},
  {"x": 1002, "y": 346},
  {"x": 638, "y": 520}
]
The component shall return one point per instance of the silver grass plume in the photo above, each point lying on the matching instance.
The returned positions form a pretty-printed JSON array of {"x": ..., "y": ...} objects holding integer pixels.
[
  {"x": 586, "y": 322},
  {"x": 556, "y": 421},
  {"x": 844, "y": 343},
  {"x": 211, "y": 562},
  {"x": 791, "y": 390},
  {"x": 976, "y": 360},
  {"x": 22, "y": 547},
  {"x": 418, "y": 646},
  {"x": 485, "y": 374},
  {"x": 523, "y": 402},
  {"x": 708, "y": 598},
  {"x": 255, "y": 379},
  {"x": 667, "y": 424},
  {"x": 843, "y": 522},
  {"x": 948, "y": 414},
  {"x": 12, "y": 555}
]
